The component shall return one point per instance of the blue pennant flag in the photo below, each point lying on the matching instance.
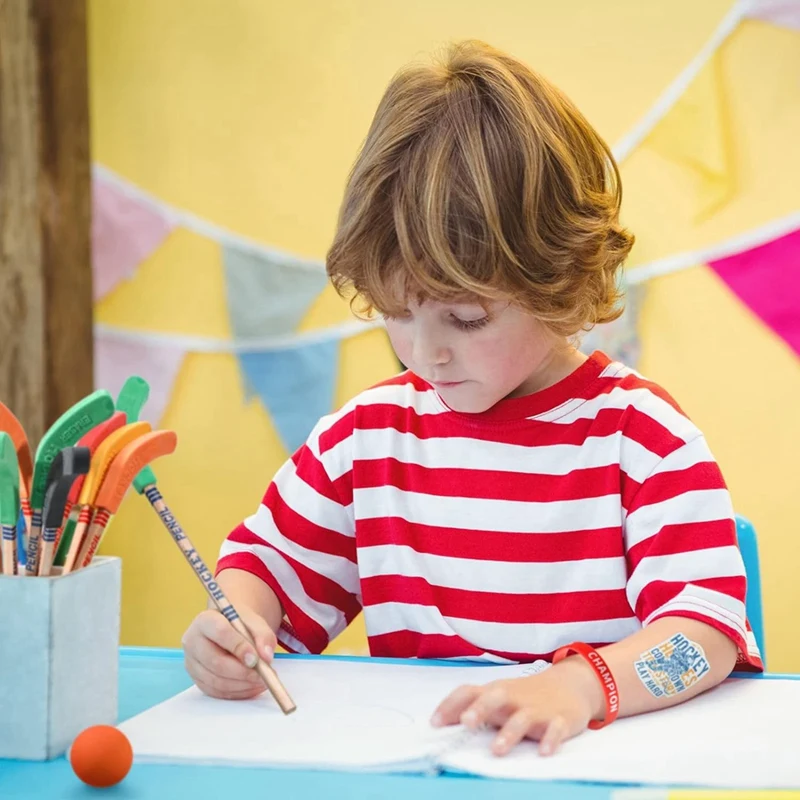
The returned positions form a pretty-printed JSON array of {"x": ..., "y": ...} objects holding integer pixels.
[
  {"x": 296, "y": 385},
  {"x": 268, "y": 295}
]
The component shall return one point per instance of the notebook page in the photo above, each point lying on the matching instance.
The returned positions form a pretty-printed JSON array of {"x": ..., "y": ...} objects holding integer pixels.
[
  {"x": 742, "y": 734},
  {"x": 350, "y": 715}
]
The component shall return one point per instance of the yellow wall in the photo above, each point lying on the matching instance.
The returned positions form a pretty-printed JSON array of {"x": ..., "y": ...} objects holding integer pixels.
[
  {"x": 250, "y": 113},
  {"x": 731, "y": 373}
]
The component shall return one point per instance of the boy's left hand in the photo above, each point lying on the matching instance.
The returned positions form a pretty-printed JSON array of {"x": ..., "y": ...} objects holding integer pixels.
[{"x": 551, "y": 706}]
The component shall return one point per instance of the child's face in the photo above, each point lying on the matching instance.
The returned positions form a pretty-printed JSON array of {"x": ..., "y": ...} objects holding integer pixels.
[{"x": 473, "y": 356}]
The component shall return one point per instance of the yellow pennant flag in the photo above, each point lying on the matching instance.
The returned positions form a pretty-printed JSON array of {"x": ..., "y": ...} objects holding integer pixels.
[{"x": 696, "y": 136}]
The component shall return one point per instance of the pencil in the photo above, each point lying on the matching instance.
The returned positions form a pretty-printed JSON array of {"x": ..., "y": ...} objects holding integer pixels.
[
  {"x": 108, "y": 449},
  {"x": 64, "y": 432},
  {"x": 72, "y": 509},
  {"x": 122, "y": 470},
  {"x": 13, "y": 427},
  {"x": 225, "y": 607},
  {"x": 9, "y": 502},
  {"x": 68, "y": 464},
  {"x": 131, "y": 398}
]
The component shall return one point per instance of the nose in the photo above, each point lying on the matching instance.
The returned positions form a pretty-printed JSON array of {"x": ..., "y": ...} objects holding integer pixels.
[{"x": 429, "y": 352}]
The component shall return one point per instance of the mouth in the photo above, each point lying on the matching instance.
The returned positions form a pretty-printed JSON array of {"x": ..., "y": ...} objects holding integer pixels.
[{"x": 446, "y": 384}]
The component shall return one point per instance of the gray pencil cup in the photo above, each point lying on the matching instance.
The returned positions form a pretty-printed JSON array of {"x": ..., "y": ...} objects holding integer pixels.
[{"x": 59, "y": 647}]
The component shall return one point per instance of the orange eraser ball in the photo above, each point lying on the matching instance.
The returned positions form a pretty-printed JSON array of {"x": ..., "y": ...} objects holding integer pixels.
[{"x": 101, "y": 755}]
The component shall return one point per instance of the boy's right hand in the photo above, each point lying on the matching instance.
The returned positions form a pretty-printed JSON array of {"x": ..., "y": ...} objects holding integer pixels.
[{"x": 220, "y": 661}]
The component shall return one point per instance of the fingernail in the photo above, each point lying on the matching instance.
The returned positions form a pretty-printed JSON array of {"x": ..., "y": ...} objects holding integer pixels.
[
  {"x": 546, "y": 748},
  {"x": 437, "y": 720},
  {"x": 268, "y": 652},
  {"x": 250, "y": 659},
  {"x": 501, "y": 743}
]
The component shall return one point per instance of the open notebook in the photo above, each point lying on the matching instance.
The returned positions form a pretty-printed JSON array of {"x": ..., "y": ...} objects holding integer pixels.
[{"x": 362, "y": 715}]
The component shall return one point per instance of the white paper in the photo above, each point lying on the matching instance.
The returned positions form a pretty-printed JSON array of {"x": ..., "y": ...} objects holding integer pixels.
[
  {"x": 362, "y": 715},
  {"x": 350, "y": 715},
  {"x": 740, "y": 735}
]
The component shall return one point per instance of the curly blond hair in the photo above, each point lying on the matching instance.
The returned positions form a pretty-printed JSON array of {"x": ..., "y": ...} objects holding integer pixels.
[{"x": 480, "y": 179}]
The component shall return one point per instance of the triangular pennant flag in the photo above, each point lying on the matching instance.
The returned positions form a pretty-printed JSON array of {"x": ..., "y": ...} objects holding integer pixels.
[
  {"x": 268, "y": 295},
  {"x": 115, "y": 360},
  {"x": 125, "y": 231},
  {"x": 785, "y": 13},
  {"x": 767, "y": 279},
  {"x": 695, "y": 135},
  {"x": 619, "y": 339},
  {"x": 296, "y": 385}
]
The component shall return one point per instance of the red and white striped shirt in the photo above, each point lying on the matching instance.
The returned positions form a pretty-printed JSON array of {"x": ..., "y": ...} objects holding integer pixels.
[{"x": 581, "y": 512}]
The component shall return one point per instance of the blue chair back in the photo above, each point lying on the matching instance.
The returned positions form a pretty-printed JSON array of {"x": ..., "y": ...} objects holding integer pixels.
[{"x": 748, "y": 544}]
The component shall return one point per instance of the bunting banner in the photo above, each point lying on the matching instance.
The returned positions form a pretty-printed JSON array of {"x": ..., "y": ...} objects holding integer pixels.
[
  {"x": 268, "y": 295},
  {"x": 125, "y": 232},
  {"x": 180, "y": 218},
  {"x": 297, "y": 386},
  {"x": 717, "y": 163},
  {"x": 696, "y": 136},
  {"x": 269, "y": 292},
  {"x": 761, "y": 267},
  {"x": 117, "y": 358},
  {"x": 294, "y": 377},
  {"x": 707, "y": 172},
  {"x": 766, "y": 279},
  {"x": 675, "y": 91}
]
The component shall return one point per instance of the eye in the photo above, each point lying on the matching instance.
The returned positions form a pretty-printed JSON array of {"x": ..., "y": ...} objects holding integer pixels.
[{"x": 470, "y": 324}]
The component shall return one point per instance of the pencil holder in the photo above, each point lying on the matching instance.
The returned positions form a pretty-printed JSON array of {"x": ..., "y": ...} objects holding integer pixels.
[{"x": 59, "y": 640}]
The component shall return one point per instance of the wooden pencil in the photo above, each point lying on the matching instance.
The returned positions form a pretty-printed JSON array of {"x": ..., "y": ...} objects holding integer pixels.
[{"x": 225, "y": 607}]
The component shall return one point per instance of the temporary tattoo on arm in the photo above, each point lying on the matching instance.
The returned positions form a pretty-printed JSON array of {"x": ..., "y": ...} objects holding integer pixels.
[{"x": 672, "y": 666}]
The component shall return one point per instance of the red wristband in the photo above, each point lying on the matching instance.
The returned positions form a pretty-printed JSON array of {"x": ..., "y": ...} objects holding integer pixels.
[{"x": 603, "y": 673}]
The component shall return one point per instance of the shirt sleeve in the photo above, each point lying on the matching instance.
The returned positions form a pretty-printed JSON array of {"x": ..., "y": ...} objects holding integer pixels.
[
  {"x": 301, "y": 540},
  {"x": 682, "y": 551}
]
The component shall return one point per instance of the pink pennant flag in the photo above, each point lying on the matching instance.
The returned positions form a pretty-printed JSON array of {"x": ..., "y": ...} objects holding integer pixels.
[
  {"x": 117, "y": 358},
  {"x": 125, "y": 231},
  {"x": 780, "y": 12},
  {"x": 767, "y": 279}
]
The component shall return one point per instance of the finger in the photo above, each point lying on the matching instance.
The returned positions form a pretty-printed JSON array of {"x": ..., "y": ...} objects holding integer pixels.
[
  {"x": 215, "y": 686},
  {"x": 453, "y": 706},
  {"x": 227, "y": 695},
  {"x": 489, "y": 706},
  {"x": 221, "y": 665},
  {"x": 263, "y": 635},
  {"x": 515, "y": 729},
  {"x": 555, "y": 734},
  {"x": 218, "y": 661},
  {"x": 212, "y": 626},
  {"x": 215, "y": 627}
]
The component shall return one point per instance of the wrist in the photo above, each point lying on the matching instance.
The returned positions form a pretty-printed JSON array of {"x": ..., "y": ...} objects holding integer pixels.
[
  {"x": 584, "y": 679},
  {"x": 604, "y": 679}
]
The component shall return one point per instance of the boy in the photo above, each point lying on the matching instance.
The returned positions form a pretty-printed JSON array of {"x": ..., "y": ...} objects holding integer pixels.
[{"x": 507, "y": 498}]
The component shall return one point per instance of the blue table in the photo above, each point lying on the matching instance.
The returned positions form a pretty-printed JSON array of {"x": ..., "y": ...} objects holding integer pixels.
[{"x": 149, "y": 676}]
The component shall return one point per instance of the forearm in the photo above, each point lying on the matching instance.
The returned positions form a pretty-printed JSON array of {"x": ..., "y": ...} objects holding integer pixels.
[
  {"x": 642, "y": 683},
  {"x": 243, "y": 588}
]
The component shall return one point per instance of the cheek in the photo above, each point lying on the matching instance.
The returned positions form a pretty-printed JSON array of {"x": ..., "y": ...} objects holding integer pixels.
[
  {"x": 400, "y": 338},
  {"x": 504, "y": 367},
  {"x": 505, "y": 361},
  {"x": 482, "y": 353},
  {"x": 491, "y": 354}
]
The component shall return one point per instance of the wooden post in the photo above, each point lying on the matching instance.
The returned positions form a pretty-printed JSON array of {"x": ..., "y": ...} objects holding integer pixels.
[{"x": 46, "y": 343}]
